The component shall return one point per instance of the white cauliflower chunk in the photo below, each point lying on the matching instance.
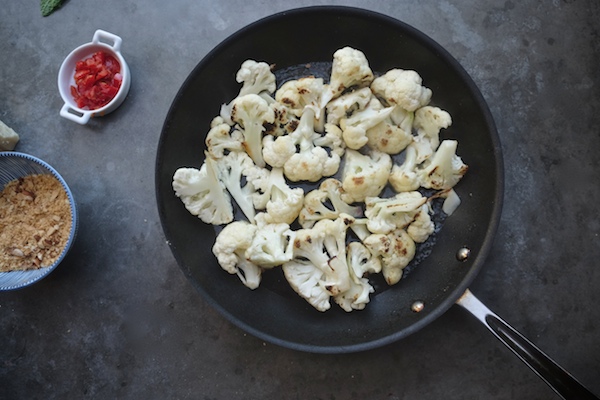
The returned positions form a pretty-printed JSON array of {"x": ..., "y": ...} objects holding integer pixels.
[
  {"x": 350, "y": 68},
  {"x": 285, "y": 121},
  {"x": 302, "y": 153},
  {"x": 422, "y": 226},
  {"x": 272, "y": 245},
  {"x": 325, "y": 203},
  {"x": 386, "y": 215},
  {"x": 428, "y": 123},
  {"x": 364, "y": 175},
  {"x": 451, "y": 202},
  {"x": 396, "y": 250},
  {"x": 221, "y": 139},
  {"x": 320, "y": 259},
  {"x": 361, "y": 260},
  {"x": 251, "y": 112},
  {"x": 234, "y": 170},
  {"x": 444, "y": 169},
  {"x": 203, "y": 194},
  {"x": 301, "y": 93},
  {"x": 230, "y": 250},
  {"x": 355, "y": 127},
  {"x": 278, "y": 150},
  {"x": 307, "y": 280},
  {"x": 282, "y": 203},
  {"x": 346, "y": 104},
  {"x": 403, "y": 88},
  {"x": 256, "y": 78},
  {"x": 404, "y": 177},
  {"x": 389, "y": 137},
  {"x": 357, "y": 296}
]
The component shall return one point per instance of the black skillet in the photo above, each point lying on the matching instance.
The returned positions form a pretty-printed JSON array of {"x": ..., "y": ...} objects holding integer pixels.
[{"x": 274, "y": 312}]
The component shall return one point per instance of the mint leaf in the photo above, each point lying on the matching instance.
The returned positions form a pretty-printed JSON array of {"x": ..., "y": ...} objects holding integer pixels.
[{"x": 49, "y": 6}]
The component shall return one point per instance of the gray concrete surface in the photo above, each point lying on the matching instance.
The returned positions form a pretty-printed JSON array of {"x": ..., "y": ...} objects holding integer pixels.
[{"x": 119, "y": 320}]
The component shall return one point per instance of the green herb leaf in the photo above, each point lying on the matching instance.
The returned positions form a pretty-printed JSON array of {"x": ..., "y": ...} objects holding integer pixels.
[{"x": 49, "y": 6}]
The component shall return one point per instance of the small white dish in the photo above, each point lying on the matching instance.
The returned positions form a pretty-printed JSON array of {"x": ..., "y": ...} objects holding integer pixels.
[{"x": 101, "y": 41}]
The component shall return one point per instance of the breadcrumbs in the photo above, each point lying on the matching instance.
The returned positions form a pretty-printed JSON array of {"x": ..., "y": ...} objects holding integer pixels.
[{"x": 35, "y": 221}]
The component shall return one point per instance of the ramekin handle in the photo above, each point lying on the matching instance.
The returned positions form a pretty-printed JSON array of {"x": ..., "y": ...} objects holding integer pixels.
[
  {"x": 80, "y": 119},
  {"x": 101, "y": 35}
]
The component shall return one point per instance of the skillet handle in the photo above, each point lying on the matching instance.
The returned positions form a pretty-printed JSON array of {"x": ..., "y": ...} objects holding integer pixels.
[{"x": 562, "y": 382}]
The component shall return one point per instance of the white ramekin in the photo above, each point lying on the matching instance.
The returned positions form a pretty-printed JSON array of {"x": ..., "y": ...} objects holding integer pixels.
[{"x": 102, "y": 41}]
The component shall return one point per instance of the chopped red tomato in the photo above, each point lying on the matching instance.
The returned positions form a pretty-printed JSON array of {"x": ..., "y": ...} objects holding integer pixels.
[{"x": 98, "y": 79}]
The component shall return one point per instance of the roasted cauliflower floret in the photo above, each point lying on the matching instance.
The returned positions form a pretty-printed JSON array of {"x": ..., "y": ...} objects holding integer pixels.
[
  {"x": 444, "y": 169},
  {"x": 364, "y": 175},
  {"x": 251, "y": 112},
  {"x": 302, "y": 153},
  {"x": 203, "y": 194},
  {"x": 230, "y": 250},
  {"x": 396, "y": 250},
  {"x": 403, "y": 88},
  {"x": 350, "y": 68},
  {"x": 325, "y": 203}
]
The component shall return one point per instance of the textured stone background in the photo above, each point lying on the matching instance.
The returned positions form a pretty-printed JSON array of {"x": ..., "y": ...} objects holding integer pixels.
[{"x": 77, "y": 334}]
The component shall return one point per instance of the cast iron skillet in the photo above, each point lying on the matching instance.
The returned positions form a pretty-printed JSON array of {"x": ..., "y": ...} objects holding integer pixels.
[{"x": 274, "y": 312}]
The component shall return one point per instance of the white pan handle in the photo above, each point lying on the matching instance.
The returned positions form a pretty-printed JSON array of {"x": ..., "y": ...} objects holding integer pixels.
[{"x": 563, "y": 383}]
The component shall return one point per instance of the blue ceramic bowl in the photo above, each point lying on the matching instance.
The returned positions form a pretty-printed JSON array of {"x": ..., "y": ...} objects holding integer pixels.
[{"x": 14, "y": 165}]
